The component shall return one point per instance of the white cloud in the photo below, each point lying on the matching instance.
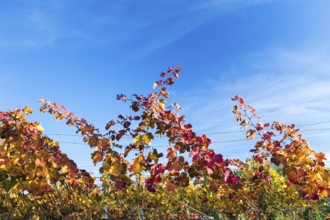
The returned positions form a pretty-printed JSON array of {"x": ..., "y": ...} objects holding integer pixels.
[
  {"x": 327, "y": 156},
  {"x": 33, "y": 28},
  {"x": 178, "y": 23},
  {"x": 284, "y": 85},
  {"x": 156, "y": 25}
]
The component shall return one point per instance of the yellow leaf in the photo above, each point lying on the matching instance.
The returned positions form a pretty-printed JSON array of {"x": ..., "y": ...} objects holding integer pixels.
[
  {"x": 162, "y": 103},
  {"x": 116, "y": 168},
  {"x": 64, "y": 169},
  {"x": 165, "y": 94},
  {"x": 27, "y": 109},
  {"x": 16, "y": 161},
  {"x": 143, "y": 139},
  {"x": 317, "y": 176},
  {"x": 153, "y": 157},
  {"x": 324, "y": 193},
  {"x": 39, "y": 128},
  {"x": 136, "y": 165}
]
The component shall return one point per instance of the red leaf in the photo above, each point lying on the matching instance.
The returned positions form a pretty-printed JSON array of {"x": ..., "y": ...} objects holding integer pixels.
[
  {"x": 170, "y": 153},
  {"x": 218, "y": 159},
  {"x": 149, "y": 183},
  {"x": 174, "y": 167},
  {"x": 296, "y": 176},
  {"x": 177, "y": 147},
  {"x": 109, "y": 124},
  {"x": 157, "y": 169},
  {"x": 120, "y": 184},
  {"x": 241, "y": 101},
  {"x": 127, "y": 150},
  {"x": 120, "y": 134},
  {"x": 169, "y": 81},
  {"x": 4, "y": 161},
  {"x": 260, "y": 125},
  {"x": 320, "y": 157},
  {"x": 232, "y": 180},
  {"x": 2, "y": 115},
  {"x": 234, "y": 98},
  {"x": 105, "y": 144},
  {"x": 121, "y": 97}
]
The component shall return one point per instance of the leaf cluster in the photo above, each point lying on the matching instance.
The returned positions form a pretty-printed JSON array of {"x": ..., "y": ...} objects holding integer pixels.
[{"x": 38, "y": 181}]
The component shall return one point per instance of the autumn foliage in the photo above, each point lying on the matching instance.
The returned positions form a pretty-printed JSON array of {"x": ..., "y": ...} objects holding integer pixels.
[{"x": 37, "y": 180}]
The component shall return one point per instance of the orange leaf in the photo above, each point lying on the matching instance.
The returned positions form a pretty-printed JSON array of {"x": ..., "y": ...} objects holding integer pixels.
[
  {"x": 324, "y": 193},
  {"x": 170, "y": 186},
  {"x": 136, "y": 165}
]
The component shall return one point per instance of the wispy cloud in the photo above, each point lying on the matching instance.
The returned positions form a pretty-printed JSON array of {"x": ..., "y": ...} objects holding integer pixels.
[
  {"x": 39, "y": 24},
  {"x": 286, "y": 85},
  {"x": 174, "y": 24},
  {"x": 147, "y": 26},
  {"x": 30, "y": 27}
]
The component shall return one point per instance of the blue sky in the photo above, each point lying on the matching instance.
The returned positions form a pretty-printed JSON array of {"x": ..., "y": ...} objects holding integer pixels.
[{"x": 276, "y": 54}]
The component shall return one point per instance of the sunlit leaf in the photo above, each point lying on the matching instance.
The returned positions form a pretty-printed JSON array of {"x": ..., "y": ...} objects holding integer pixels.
[{"x": 250, "y": 134}]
